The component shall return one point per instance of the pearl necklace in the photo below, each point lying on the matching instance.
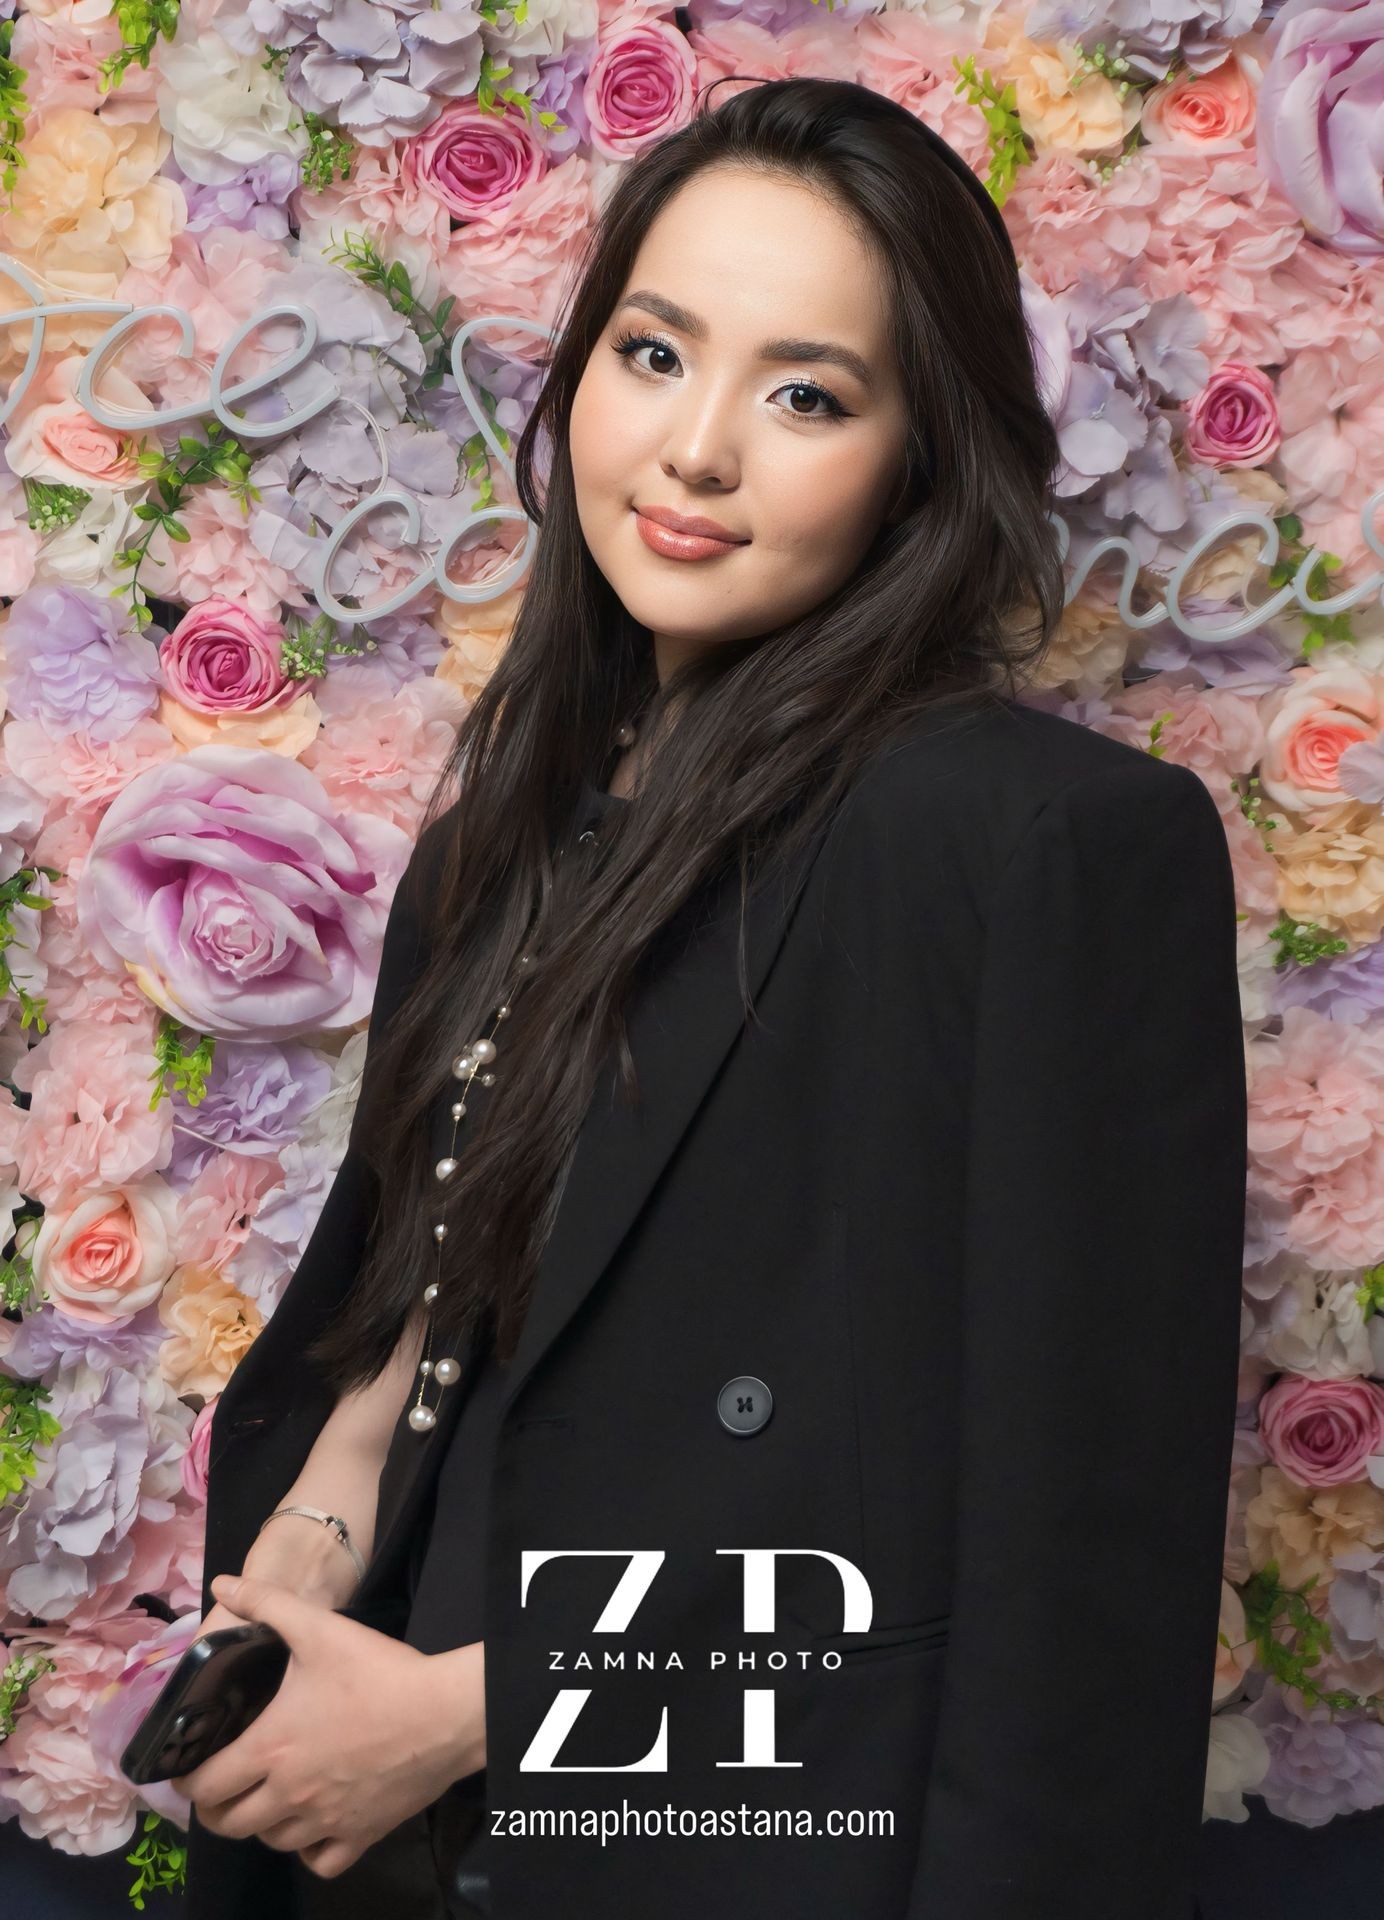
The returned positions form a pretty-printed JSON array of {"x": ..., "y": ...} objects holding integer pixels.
[{"x": 475, "y": 1059}]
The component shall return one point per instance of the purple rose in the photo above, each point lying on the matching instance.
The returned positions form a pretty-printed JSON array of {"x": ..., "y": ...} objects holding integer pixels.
[
  {"x": 238, "y": 899},
  {"x": 1318, "y": 126}
]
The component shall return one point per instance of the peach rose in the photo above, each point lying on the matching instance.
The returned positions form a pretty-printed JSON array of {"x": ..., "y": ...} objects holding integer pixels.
[
  {"x": 53, "y": 438},
  {"x": 108, "y": 1255},
  {"x": 212, "y": 1324},
  {"x": 1308, "y": 725},
  {"x": 1205, "y": 110}
]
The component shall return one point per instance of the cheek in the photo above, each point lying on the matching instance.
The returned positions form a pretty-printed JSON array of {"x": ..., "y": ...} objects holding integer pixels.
[
  {"x": 823, "y": 508},
  {"x": 600, "y": 437}
]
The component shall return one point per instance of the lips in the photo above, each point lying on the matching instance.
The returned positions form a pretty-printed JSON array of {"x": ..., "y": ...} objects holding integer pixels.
[
  {"x": 679, "y": 537},
  {"x": 691, "y": 523}
]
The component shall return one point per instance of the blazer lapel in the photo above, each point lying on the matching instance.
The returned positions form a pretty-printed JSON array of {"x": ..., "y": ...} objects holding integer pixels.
[{"x": 682, "y": 1022}]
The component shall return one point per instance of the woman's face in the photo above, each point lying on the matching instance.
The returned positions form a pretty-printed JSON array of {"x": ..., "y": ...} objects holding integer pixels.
[{"x": 746, "y": 378}]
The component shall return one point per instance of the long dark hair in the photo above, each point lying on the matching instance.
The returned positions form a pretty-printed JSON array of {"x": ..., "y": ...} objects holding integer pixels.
[{"x": 947, "y": 607}]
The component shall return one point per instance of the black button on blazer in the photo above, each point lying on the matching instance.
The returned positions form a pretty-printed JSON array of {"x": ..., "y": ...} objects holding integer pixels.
[{"x": 968, "y": 1199}]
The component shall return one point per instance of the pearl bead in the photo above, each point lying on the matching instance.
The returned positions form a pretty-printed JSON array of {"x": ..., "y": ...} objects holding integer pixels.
[
  {"x": 502, "y": 1011},
  {"x": 447, "y": 1372},
  {"x": 462, "y": 1065},
  {"x": 422, "y": 1419},
  {"x": 487, "y": 1079},
  {"x": 440, "y": 1230},
  {"x": 425, "y": 1367},
  {"x": 445, "y": 1168},
  {"x": 458, "y": 1109},
  {"x": 430, "y": 1293},
  {"x": 483, "y": 1050}
]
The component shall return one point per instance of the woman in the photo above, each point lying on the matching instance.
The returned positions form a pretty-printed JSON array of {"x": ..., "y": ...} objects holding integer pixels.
[{"x": 815, "y": 1411}]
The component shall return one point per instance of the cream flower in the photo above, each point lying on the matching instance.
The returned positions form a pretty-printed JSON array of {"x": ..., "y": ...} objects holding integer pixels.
[
  {"x": 1304, "y": 1528},
  {"x": 226, "y": 111},
  {"x": 89, "y": 201},
  {"x": 212, "y": 1324},
  {"x": 1085, "y": 117},
  {"x": 1333, "y": 871}
]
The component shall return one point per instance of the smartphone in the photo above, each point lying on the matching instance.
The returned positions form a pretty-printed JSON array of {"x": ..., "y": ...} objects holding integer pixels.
[{"x": 222, "y": 1682}]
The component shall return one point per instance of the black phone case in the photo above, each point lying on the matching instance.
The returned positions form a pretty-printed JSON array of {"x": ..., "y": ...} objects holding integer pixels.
[{"x": 222, "y": 1682}]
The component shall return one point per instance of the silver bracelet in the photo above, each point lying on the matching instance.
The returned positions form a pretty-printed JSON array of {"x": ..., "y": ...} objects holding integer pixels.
[{"x": 333, "y": 1521}]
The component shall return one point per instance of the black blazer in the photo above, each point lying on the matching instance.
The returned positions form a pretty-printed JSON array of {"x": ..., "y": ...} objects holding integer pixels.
[{"x": 968, "y": 1201}]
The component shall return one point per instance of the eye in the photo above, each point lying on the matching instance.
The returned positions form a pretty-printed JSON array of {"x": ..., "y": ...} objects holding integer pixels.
[{"x": 628, "y": 344}]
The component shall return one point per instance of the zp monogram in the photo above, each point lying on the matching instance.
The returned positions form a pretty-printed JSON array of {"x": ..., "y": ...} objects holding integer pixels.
[{"x": 643, "y": 1564}]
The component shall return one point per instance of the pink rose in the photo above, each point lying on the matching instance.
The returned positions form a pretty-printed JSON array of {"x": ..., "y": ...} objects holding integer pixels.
[
  {"x": 640, "y": 87},
  {"x": 177, "y": 885},
  {"x": 196, "y": 1460},
  {"x": 474, "y": 162},
  {"x": 1200, "y": 109},
  {"x": 108, "y": 1255},
  {"x": 1233, "y": 421},
  {"x": 223, "y": 657},
  {"x": 1321, "y": 1433}
]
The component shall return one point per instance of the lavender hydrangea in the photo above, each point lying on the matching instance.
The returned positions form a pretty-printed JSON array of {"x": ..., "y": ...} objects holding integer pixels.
[
  {"x": 256, "y": 202},
  {"x": 380, "y": 69},
  {"x": 257, "y": 1098},
  {"x": 1150, "y": 37},
  {"x": 1320, "y": 1765},
  {"x": 76, "y": 665},
  {"x": 1355, "y": 1604}
]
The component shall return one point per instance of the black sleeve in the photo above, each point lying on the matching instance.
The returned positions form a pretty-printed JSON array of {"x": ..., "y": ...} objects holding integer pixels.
[{"x": 1104, "y": 1248}]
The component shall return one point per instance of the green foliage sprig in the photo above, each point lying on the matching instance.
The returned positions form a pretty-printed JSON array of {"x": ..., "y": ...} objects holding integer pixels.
[
  {"x": 1270, "y": 1607},
  {"x": 24, "y": 1427},
  {"x": 15, "y": 1681},
  {"x": 1318, "y": 628},
  {"x": 358, "y": 253},
  {"x": 172, "y": 1062},
  {"x": 17, "y": 1269},
  {"x": 1009, "y": 144},
  {"x": 18, "y": 891},
  {"x": 1304, "y": 942},
  {"x": 330, "y": 155},
  {"x": 161, "y": 1860},
  {"x": 493, "y": 98},
  {"x": 142, "y": 24},
  {"x": 197, "y": 463},
  {"x": 50, "y": 505},
  {"x": 1370, "y": 1293},
  {"x": 13, "y": 107},
  {"x": 307, "y": 644}
]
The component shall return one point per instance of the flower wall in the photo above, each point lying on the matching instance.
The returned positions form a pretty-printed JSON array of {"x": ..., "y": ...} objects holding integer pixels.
[{"x": 1192, "y": 196}]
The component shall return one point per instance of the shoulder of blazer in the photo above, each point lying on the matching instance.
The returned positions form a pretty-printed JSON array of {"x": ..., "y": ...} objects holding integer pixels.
[{"x": 952, "y": 796}]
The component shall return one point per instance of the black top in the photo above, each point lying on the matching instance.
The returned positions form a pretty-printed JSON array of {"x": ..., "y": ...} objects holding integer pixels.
[{"x": 446, "y": 1580}]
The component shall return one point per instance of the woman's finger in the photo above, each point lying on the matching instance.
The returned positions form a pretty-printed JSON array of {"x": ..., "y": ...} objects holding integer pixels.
[
  {"x": 329, "y": 1857},
  {"x": 293, "y": 1834}
]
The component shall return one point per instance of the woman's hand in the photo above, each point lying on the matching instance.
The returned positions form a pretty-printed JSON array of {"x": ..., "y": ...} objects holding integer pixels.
[{"x": 363, "y": 1732}]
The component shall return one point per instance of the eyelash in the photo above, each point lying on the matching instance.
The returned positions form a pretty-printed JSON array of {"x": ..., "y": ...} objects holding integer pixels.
[{"x": 626, "y": 344}]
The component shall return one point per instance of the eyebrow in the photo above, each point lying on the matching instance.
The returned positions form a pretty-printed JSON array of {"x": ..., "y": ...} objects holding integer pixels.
[{"x": 817, "y": 351}]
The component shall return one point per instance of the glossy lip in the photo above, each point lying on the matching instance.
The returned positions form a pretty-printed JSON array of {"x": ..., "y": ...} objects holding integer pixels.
[{"x": 691, "y": 523}]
